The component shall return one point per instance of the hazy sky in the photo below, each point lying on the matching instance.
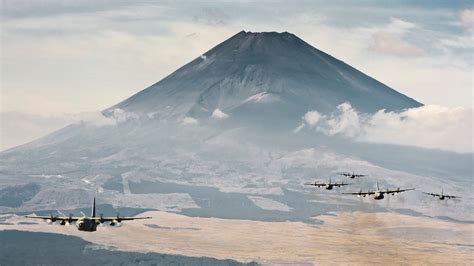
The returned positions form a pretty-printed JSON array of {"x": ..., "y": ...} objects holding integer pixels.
[{"x": 77, "y": 56}]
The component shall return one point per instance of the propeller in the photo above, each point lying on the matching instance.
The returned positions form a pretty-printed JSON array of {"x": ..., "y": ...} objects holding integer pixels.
[
  {"x": 119, "y": 219},
  {"x": 51, "y": 219},
  {"x": 69, "y": 219},
  {"x": 396, "y": 192},
  {"x": 116, "y": 221}
]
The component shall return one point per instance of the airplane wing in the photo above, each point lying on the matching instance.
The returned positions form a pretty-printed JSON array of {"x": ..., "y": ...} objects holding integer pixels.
[
  {"x": 316, "y": 184},
  {"x": 452, "y": 197},
  {"x": 344, "y": 174},
  {"x": 357, "y": 175},
  {"x": 55, "y": 218},
  {"x": 396, "y": 191},
  {"x": 360, "y": 193},
  {"x": 431, "y": 194},
  {"x": 119, "y": 218},
  {"x": 342, "y": 184}
]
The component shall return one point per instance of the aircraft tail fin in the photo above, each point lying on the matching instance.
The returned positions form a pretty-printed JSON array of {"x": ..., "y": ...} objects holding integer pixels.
[{"x": 93, "y": 209}]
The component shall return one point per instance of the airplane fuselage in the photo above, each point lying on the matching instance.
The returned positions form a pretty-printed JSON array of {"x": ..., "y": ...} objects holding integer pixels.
[
  {"x": 86, "y": 224},
  {"x": 378, "y": 196},
  {"x": 441, "y": 197},
  {"x": 329, "y": 187}
]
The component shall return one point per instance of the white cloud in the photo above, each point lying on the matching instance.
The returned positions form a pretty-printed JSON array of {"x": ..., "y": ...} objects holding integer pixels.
[
  {"x": 312, "y": 118},
  {"x": 20, "y": 128},
  {"x": 117, "y": 116},
  {"x": 219, "y": 114},
  {"x": 299, "y": 128},
  {"x": 120, "y": 116},
  {"x": 390, "y": 39},
  {"x": 189, "y": 121},
  {"x": 430, "y": 126},
  {"x": 467, "y": 18},
  {"x": 347, "y": 124},
  {"x": 392, "y": 44},
  {"x": 399, "y": 26}
]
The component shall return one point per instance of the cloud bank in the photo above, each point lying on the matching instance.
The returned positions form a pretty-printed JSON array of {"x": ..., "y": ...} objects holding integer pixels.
[
  {"x": 430, "y": 126},
  {"x": 19, "y": 128}
]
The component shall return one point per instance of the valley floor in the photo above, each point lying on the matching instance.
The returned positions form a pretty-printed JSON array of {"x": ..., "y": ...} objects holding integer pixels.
[{"x": 345, "y": 238}]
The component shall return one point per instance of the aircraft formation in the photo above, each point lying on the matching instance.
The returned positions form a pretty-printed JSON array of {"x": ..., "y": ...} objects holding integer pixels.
[
  {"x": 90, "y": 223},
  {"x": 376, "y": 194}
]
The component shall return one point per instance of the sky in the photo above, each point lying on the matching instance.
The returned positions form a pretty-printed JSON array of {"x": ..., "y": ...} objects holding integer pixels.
[{"x": 62, "y": 58}]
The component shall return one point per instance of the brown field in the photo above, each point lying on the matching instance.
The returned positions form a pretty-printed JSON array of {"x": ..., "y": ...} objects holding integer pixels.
[{"x": 347, "y": 238}]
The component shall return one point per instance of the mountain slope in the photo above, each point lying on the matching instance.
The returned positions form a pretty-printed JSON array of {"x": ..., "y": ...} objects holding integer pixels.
[
  {"x": 147, "y": 158},
  {"x": 276, "y": 71}
]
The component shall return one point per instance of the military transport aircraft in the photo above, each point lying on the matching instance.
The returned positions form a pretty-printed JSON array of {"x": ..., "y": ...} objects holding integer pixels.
[
  {"x": 353, "y": 175},
  {"x": 379, "y": 194},
  {"x": 441, "y": 196},
  {"x": 88, "y": 224},
  {"x": 329, "y": 185}
]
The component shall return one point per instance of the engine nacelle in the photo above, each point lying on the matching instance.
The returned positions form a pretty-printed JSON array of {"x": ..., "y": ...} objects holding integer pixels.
[
  {"x": 80, "y": 224},
  {"x": 101, "y": 220}
]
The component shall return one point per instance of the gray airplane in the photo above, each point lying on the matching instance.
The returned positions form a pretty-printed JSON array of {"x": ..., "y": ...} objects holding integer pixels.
[
  {"x": 88, "y": 224},
  {"x": 329, "y": 185},
  {"x": 378, "y": 194},
  {"x": 351, "y": 175},
  {"x": 442, "y": 196}
]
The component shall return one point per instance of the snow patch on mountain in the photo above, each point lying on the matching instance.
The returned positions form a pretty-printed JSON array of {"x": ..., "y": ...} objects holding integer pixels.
[
  {"x": 218, "y": 114},
  {"x": 262, "y": 97},
  {"x": 189, "y": 121},
  {"x": 173, "y": 202},
  {"x": 269, "y": 204}
]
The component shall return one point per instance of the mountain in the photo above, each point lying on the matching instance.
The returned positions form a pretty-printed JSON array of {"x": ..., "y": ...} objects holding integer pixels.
[
  {"x": 164, "y": 149},
  {"x": 273, "y": 74}
]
